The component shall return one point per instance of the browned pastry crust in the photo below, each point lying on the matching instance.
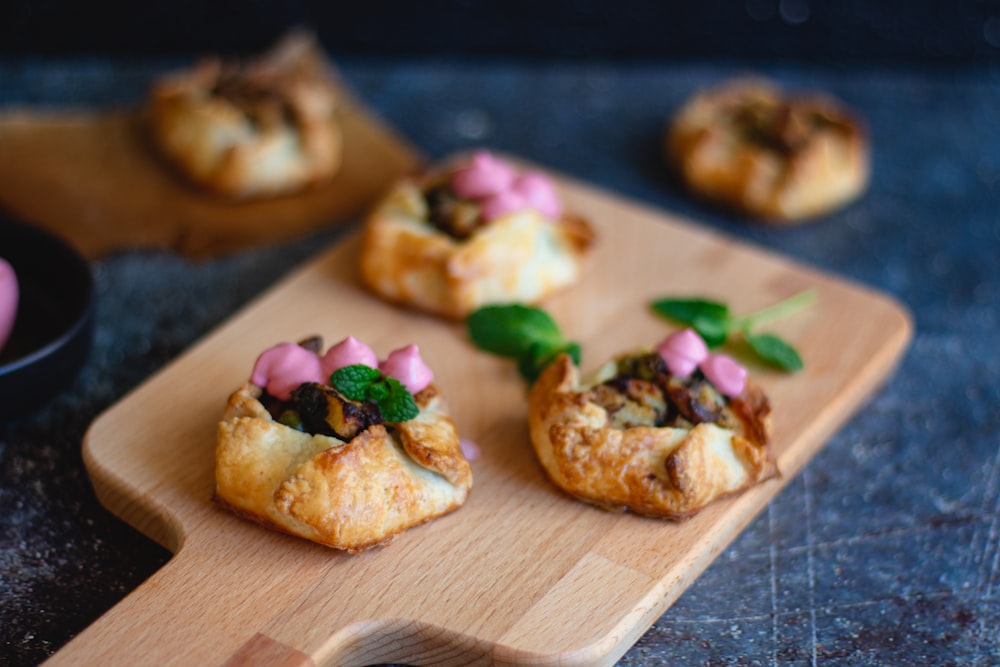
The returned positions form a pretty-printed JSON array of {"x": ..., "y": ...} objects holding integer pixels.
[
  {"x": 519, "y": 257},
  {"x": 776, "y": 157},
  {"x": 261, "y": 129},
  {"x": 616, "y": 462},
  {"x": 349, "y": 495}
]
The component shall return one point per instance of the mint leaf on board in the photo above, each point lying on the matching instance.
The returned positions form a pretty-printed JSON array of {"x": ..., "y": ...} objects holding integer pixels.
[
  {"x": 509, "y": 330},
  {"x": 775, "y": 351},
  {"x": 714, "y": 323},
  {"x": 526, "y": 334},
  {"x": 688, "y": 311}
]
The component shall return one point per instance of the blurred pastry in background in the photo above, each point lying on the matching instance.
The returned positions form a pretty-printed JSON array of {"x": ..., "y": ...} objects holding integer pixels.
[
  {"x": 777, "y": 157},
  {"x": 476, "y": 232},
  {"x": 254, "y": 129}
]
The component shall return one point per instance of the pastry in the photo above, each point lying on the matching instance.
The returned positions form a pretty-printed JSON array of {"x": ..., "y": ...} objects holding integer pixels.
[
  {"x": 773, "y": 156},
  {"x": 661, "y": 433},
  {"x": 345, "y": 469},
  {"x": 474, "y": 233},
  {"x": 252, "y": 130}
]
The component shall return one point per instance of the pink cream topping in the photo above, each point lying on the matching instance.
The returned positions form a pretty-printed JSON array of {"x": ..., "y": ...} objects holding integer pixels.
[
  {"x": 282, "y": 368},
  {"x": 685, "y": 350},
  {"x": 485, "y": 175},
  {"x": 728, "y": 376},
  {"x": 470, "y": 450},
  {"x": 501, "y": 190},
  {"x": 406, "y": 366},
  {"x": 348, "y": 352},
  {"x": 9, "y": 295}
]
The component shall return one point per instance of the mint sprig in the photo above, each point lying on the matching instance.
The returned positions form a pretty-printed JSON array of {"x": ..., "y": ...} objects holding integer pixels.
[
  {"x": 364, "y": 383},
  {"x": 714, "y": 322},
  {"x": 523, "y": 333}
]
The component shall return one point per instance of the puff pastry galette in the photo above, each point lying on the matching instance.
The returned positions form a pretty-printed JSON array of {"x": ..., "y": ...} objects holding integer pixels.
[
  {"x": 472, "y": 234},
  {"x": 259, "y": 129},
  {"x": 661, "y": 433},
  {"x": 348, "y": 466},
  {"x": 750, "y": 146}
]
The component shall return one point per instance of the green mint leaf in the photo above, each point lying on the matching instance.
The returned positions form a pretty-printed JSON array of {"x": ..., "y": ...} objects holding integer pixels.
[
  {"x": 354, "y": 381},
  {"x": 714, "y": 331},
  {"x": 377, "y": 391},
  {"x": 531, "y": 364},
  {"x": 398, "y": 404},
  {"x": 510, "y": 330},
  {"x": 775, "y": 351},
  {"x": 690, "y": 311}
]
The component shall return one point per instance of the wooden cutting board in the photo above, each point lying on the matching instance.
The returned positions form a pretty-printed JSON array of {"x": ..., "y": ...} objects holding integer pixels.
[{"x": 522, "y": 574}]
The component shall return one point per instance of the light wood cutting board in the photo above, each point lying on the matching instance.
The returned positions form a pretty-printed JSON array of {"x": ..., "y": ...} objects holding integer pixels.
[{"x": 521, "y": 575}]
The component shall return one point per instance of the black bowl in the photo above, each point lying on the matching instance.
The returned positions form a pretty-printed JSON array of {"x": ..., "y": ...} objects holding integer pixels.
[{"x": 54, "y": 328}]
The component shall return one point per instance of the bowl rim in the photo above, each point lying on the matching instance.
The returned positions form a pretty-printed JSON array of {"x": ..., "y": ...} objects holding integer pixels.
[{"x": 85, "y": 273}]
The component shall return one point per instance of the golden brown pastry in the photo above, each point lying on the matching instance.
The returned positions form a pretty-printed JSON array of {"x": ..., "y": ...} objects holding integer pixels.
[
  {"x": 316, "y": 464},
  {"x": 259, "y": 129},
  {"x": 472, "y": 234},
  {"x": 638, "y": 437},
  {"x": 749, "y": 146}
]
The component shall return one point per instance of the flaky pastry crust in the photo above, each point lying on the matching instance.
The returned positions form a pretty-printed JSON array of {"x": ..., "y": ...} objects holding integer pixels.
[
  {"x": 663, "y": 472},
  {"x": 784, "y": 159},
  {"x": 520, "y": 257},
  {"x": 262, "y": 129},
  {"x": 348, "y": 495}
]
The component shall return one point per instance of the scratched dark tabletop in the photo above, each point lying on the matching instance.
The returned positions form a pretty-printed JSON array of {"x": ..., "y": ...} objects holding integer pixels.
[{"x": 885, "y": 550}]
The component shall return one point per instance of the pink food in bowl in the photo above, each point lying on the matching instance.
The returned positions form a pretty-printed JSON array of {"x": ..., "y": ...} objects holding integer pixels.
[{"x": 9, "y": 295}]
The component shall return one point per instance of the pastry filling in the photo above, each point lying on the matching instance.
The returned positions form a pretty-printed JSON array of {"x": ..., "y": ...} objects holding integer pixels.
[
  {"x": 784, "y": 127},
  {"x": 641, "y": 391}
]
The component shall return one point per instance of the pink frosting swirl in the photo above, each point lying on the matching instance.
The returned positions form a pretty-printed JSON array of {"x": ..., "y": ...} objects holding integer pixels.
[
  {"x": 685, "y": 350},
  {"x": 485, "y": 175},
  {"x": 9, "y": 296},
  {"x": 282, "y": 368},
  {"x": 540, "y": 193},
  {"x": 501, "y": 190},
  {"x": 406, "y": 366},
  {"x": 728, "y": 376},
  {"x": 348, "y": 352}
]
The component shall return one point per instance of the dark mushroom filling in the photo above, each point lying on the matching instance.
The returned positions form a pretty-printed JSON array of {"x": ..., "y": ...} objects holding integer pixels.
[
  {"x": 642, "y": 392},
  {"x": 451, "y": 214}
]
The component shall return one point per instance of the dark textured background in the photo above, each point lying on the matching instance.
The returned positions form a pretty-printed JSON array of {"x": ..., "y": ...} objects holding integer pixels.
[
  {"x": 938, "y": 32},
  {"x": 885, "y": 550}
]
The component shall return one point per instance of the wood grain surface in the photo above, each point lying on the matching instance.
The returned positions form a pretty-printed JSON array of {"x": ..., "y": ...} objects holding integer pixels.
[
  {"x": 94, "y": 177},
  {"x": 522, "y": 574}
]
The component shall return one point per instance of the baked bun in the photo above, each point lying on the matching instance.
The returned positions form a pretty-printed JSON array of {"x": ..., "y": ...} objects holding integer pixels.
[
  {"x": 253, "y": 130},
  {"x": 635, "y": 437},
  {"x": 333, "y": 470},
  {"x": 775, "y": 157},
  {"x": 432, "y": 245}
]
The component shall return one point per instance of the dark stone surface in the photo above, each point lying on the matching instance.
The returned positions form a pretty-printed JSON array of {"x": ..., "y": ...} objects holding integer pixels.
[{"x": 885, "y": 550}]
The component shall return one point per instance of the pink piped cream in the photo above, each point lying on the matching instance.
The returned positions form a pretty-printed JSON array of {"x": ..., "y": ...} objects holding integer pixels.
[
  {"x": 282, "y": 368},
  {"x": 500, "y": 189},
  {"x": 406, "y": 366},
  {"x": 9, "y": 296},
  {"x": 685, "y": 350}
]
